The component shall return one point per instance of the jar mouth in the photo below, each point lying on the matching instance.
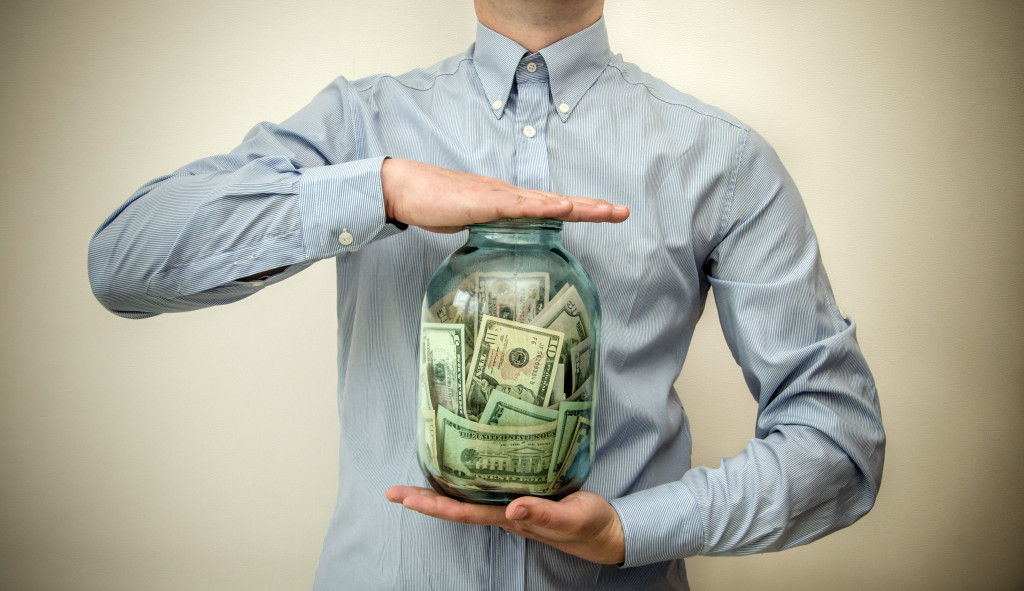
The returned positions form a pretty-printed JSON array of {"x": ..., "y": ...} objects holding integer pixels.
[{"x": 520, "y": 224}]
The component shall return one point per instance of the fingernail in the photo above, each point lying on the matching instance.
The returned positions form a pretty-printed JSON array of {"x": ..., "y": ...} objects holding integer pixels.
[{"x": 518, "y": 513}]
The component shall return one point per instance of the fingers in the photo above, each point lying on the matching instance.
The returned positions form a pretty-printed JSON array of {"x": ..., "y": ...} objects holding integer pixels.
[
  {"x": 433, "y": 504},
  {"x": 549, "y": 520},
  {"x": 443, "y": 200},
  {"x": 537, "y": 204},
  {"x": 518, "y": 203},
  {"x": 596, "y": 210},
  {"x": 583, "y": 524}
]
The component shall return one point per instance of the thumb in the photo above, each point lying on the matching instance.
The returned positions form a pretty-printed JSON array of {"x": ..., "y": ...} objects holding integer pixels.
[{"x": 535, "y": 511}]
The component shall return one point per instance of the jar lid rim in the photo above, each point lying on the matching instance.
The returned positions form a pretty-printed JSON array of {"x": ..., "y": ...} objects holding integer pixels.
[{"x": 536, "y": 223}]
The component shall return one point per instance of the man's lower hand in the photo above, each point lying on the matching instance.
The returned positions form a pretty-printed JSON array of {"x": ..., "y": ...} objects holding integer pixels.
[
  {"x": 583, "y": 524},
  {"x": 442, "y": 200}
]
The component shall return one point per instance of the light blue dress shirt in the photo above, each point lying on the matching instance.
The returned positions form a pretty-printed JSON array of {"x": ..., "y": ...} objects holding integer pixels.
[{"x": 712, "y": 208}]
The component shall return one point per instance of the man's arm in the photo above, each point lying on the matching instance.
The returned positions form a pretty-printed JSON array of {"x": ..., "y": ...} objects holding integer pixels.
[
  {"x": 815, "y": 464},
  {"x": 224, "y": 227}
]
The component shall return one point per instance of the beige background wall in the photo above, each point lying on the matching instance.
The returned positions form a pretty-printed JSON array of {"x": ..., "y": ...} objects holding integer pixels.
[{"x": 198, "y": 451}]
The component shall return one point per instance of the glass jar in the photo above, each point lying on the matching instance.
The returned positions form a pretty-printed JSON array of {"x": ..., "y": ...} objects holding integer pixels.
[{"x": 508, "y": 366}]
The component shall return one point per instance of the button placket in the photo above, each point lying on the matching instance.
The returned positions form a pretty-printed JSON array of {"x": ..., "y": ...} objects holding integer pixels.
[{"x": 532, "y": 109}]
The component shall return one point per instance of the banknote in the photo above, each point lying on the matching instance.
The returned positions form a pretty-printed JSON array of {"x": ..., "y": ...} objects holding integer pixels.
[
  {"x": 514, "y": 358},
  {"x": 584, "y": 392},
  {"x": 558, "y": 389},
  {"x": 578, "y": 458},
  {"x": 428, "y": 422},
  {"x": 505, "y": 411},
  {"x": 580, "y": 357},
  {"x": 470, "y": 452},
  {"x": 560, "y": 291},
  {"x": 569, "y": 415},
  {"x": 423, "y": 390},
  {"x": 442, "y": 363},
  {"x": 512, "y": 296},
  {"x": 453, "y": 306},
  {"x": 566, "y": 314}
]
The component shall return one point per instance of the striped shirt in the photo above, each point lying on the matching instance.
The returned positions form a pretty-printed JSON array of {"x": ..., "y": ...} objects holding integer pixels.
[{"x": 712, "y": 209}]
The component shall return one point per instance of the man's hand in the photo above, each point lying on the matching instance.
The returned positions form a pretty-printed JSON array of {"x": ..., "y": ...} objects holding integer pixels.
[
  {"x": 583, "y": 524},
  {"x": 442, "y": 200}
]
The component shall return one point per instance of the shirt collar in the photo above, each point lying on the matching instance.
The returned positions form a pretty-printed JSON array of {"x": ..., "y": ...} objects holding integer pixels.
[{"x": 573, "y": 63}]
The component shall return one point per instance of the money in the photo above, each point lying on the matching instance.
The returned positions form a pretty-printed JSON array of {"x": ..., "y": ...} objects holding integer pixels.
[
  {"x": 428, "y": 422},
  {"x": 442, "y": 366},
  {"x": 579, "y": 359},
  {"x": 504, "y": 410},
  {"x": 514, "y": 358},
  {"x": 470, "y": 452},
  {"x": 452, "y": 307},
  {"x": 558, "y": 389},
  {"x": 499, "y": 358},
  {"x": 584, "y": 392},
  {"x": 512, "y": 296},
  {"x": 569, "y": 415},
  {"x": 580, "y": 444},
  {"x": 567, "y": 315}
]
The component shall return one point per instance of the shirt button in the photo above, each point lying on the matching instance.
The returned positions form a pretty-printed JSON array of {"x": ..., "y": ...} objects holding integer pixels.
[
  {"x": 531, "y": 67},
  {"x": 529, "y": 131},
  {"x": 563, "y": 108},
  {"x": 496, "y": 105},
  {"x": 345, "y": 238}
]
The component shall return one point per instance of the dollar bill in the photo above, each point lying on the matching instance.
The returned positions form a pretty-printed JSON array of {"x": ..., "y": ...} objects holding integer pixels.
[
  {"x": 569, "y": 415},
  {"x": 423, "y": 390},
  {"x": 442, "y": 363},
  {"x": 579, "y": 456},
  {"x": 566, "y": 314},
  {"x": 558, "y": 389},
  {"x": 580, "y": 357},
  {"x": 471, "y": 453},
  {"x": 561, "y": 290},
  {"x": 452, "y": 307},
  {"x": 514, "y": 358},
  {"x": 512, "y": 296},
  {"x": 504, "y": 410},
  {"x": 584, "y": 392},
  {"x": 428, "y": 422}
]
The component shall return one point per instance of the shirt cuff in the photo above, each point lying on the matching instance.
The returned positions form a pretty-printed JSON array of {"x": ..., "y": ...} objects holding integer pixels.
[
  {"x": 660, "y": 523},
  {"x": 342, "y": 207}
]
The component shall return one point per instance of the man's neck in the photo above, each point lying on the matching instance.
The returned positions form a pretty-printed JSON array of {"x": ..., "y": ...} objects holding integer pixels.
[{"x": 535, "y": 24}]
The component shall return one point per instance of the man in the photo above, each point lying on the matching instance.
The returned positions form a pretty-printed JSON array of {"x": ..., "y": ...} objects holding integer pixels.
[{"x": 377, "y": 173}]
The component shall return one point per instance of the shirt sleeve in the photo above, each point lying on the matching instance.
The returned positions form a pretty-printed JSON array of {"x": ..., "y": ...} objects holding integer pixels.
[
  {"x": 290, "y": 194},
  {"x": 815, "y": 464}
]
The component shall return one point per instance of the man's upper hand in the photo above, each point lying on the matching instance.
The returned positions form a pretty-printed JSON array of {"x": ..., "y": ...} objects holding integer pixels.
[
  {"x": 442, "y": 200},
  {"x": 583, "y": 524}
]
